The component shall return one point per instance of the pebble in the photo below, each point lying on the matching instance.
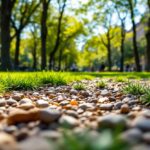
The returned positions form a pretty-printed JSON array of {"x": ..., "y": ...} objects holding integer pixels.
[
  {"x": 103, "y": 99},
  {"x": 25, "y": 100},
  {"x": 49, "y": 115},
  {"x": 20, "y": 116},
  {"x": 10, "y": 129},
  {"x": 63, "y": 103},
  {"x": 84, "y": 93},
  {"x": 73, "y": 92},
  {"x": 118, "y": 105},
  {"x": 146, "y": 137},
  {"x": 105, "y": 93},
  {"x": 112, "y": 120},
  {"x": 68, "y": 121},
  {"x": 125, "y": 109},
  {"x": 26, "y": 106},
  {"x": 11, "y": 102},
  {"x": 2, "y": 102},
  {"x": 72, "y": 113},
  {"x": 85, "y": 106},
  {"x": 17, "y": 96},
  {"x": 132, "y": 136},
  {"x": 106, "y": 106},
  {"x": 112, "y": 99},
  {"x": 42, "y": 103},
  {"x": 141, "y": 123}
]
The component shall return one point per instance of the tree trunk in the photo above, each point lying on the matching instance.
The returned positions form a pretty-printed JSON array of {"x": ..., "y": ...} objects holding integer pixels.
[
  {"x": 34, "y": 56},
  {"x": 17, "y": 50},
  {"x": 60, "y": 59},
  {"x": 6, "y": 8},
  {"x": 109, "y": 55},
  {"x": 135, "y": 48},
  {"x": 148, "y": 41},
  {"x": 43, "y": 34},
  {"x": 122, "y": 47},
  {"x": 52, "y": 54}
]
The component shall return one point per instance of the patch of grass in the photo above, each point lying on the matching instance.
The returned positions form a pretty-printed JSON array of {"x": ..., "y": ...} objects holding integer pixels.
[
  {"x": 79, "y": 86},
  {"x": 121, "y": 79},
  {"x": 32, "y": 80},
  {"x": 106, "y": 140},
  {"x": 101, "y": 84},
  {"x": 134, "y": 88},
  {"x": 145, "y": 98}
]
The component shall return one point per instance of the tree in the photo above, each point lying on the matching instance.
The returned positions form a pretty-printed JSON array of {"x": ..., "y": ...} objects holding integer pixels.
[
  {"x": 62, "y": 6},
  {"x": 122, "y": 14},
  {"x": 45, "y": 5},
  {"x": 132, "y": 4},
  {"x": 148, "y": 38},
  {"x": 20, "y": 19},
  {"x": 35, "y": 44},
  {"x": 6, "y": 12}
]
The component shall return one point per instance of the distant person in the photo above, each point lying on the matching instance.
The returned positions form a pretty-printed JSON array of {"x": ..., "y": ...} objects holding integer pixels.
[
  {"x": 127, "y": 68},
  {"x": 102, "y": 67},
  {"x": 73, "y": 67}
]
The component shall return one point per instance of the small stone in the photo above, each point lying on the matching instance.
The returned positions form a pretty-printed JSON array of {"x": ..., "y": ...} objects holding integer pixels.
[
  {"x": 17, "y": 96},
  {"x": 26, "y": 106},
  {"x": 141, "y": 123},
  {"x": 2, "y": 102},
  {"x": 118, "y": 105},
  {"x": 7, "y": 142},
  {"x": 103, "y": 99},
  {"x": 84, "y": 93},
  {"x": 11, "y": 102},
  {"x": 42, "y": 103},
  {"x": 63, "y": 103},
  {"x": 72, "y": 113},
  {"x": 146, "y": 137},
  {"x": 105, "y": 93},
  {"x": 73, "y": 92},
  {"x": 68, "y": 121},
  {"x": 133, "y": 102},
  {"x": 19, "y": 116},
  {"x": 125, "y": 109},
  {"x": 112, "y": 120},
  {"x": 25, "y": 100},
  {"x": 126, "y": 100},
  {"x": 73, "y": 102},
  {"x": 22, "y": 134},
  {"x": 132, "y": 136},
  {"x": 49, "y": 115},
  {"x": 85, "y": 106},
  {"x": 106, "y": 106},
  {"x": 112, "y": 99},
  {"x": 10, "y": 129}
]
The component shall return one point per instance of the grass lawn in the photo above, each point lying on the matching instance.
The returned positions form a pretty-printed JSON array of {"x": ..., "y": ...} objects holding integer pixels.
[{"x": 32, "y": 80}]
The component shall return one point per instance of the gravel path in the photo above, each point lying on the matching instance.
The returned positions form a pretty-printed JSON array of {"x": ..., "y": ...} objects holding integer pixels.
[{"x": 29, "y": 117}]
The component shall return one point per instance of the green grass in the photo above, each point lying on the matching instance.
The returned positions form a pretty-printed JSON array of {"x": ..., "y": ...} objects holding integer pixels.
[
  {"x": 106, "y": 140},
  {"x": 32, "y": 80},
  {"x": 79, "y": 86},
  {"x": 101, "y": 84},
  {"x": 134, "y": 88},
  {"x": 121, "y": 79}
]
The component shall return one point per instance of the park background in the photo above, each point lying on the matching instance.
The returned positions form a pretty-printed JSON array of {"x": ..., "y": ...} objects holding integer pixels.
[{"x": 77, "y": 35}]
